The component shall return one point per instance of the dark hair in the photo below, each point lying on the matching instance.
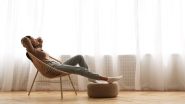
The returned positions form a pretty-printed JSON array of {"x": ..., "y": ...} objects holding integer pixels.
[
  {"x": 28, "y": 37},
  {"x": 27, "y": 55}
]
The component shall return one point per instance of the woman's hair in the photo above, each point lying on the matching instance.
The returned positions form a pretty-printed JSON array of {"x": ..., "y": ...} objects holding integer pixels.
[
  {"x": 27, "y": 55},
  {"x": 28, "y": 37},
  {"x": 38, "y": 46}
]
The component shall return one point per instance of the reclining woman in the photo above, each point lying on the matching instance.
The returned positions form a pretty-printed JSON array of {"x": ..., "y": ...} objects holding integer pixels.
[{"x": 34, "y": 46}]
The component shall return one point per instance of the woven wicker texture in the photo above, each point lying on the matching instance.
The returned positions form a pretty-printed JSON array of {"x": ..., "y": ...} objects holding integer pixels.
[{"x": 45, "y": 69}]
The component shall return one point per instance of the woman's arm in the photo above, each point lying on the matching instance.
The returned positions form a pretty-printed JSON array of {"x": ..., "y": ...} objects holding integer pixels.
[
  {"x": 40, "y": 41},
  {"x": 27, "y": 44}
]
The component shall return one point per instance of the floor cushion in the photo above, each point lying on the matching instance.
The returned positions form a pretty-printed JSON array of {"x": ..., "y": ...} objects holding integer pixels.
[{"x": 102, "y": 90}]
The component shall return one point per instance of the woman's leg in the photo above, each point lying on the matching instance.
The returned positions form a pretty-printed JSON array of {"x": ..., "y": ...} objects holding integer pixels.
[
  {"x": 69, "y": 66},
  {"x": 78, "y": 59},
  {"x": 79, "y": 70}
]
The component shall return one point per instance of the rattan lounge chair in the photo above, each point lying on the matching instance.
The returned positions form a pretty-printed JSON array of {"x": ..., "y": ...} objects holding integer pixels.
[{"x": 48, "y": 71}]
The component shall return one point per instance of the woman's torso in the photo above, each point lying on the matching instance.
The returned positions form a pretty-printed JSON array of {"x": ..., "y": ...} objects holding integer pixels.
[{"x": 42, "y": 55}]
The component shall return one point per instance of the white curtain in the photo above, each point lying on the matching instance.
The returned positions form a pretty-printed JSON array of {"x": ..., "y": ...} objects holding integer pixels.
[{"x": 143, "y": 40}]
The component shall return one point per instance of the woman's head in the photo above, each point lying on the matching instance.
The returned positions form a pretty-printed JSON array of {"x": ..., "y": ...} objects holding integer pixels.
[{"x": 36, "y": 43}]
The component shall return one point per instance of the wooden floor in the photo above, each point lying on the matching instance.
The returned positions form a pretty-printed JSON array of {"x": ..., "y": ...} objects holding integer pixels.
[{"x": 124, "y": 97}]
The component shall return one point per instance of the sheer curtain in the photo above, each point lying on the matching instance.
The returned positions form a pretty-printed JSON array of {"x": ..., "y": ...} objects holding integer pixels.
[
  {"x": 17, "y": 19},
  {"x": 141, "y": 39}
]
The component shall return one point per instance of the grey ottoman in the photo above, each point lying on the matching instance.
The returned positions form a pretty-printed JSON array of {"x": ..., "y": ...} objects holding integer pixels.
[{"x": 102, "y": 90}]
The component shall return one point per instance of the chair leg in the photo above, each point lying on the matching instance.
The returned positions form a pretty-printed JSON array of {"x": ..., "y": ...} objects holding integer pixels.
[
  {"x": 72, "y": 84},
  {"x": 32, "y": 83},
  {"x": 61, "y": 87}
]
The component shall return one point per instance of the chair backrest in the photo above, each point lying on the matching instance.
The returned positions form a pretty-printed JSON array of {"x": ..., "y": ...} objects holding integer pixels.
[{"x": 45, "y": 69}]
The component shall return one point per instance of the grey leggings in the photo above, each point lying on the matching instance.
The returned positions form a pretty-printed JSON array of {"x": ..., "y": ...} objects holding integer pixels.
[{"x": 70, "y": 67}]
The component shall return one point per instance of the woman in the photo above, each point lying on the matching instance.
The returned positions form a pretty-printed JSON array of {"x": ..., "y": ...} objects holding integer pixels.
[{"x": 34, "y": 46}]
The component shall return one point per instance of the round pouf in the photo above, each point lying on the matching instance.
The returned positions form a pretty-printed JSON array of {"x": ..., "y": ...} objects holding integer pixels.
[{"x": 102, "y": 90}]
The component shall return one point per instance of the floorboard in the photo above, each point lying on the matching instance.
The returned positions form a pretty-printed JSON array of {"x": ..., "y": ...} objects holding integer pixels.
[{"x": 124, "y": 97}]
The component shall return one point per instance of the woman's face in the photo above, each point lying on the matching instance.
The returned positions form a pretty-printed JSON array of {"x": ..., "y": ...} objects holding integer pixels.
[{"x": 36, "y": 42}]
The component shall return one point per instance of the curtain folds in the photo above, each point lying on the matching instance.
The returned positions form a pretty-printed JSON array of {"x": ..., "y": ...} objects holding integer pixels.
[{"x": 143, "y": 40}]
